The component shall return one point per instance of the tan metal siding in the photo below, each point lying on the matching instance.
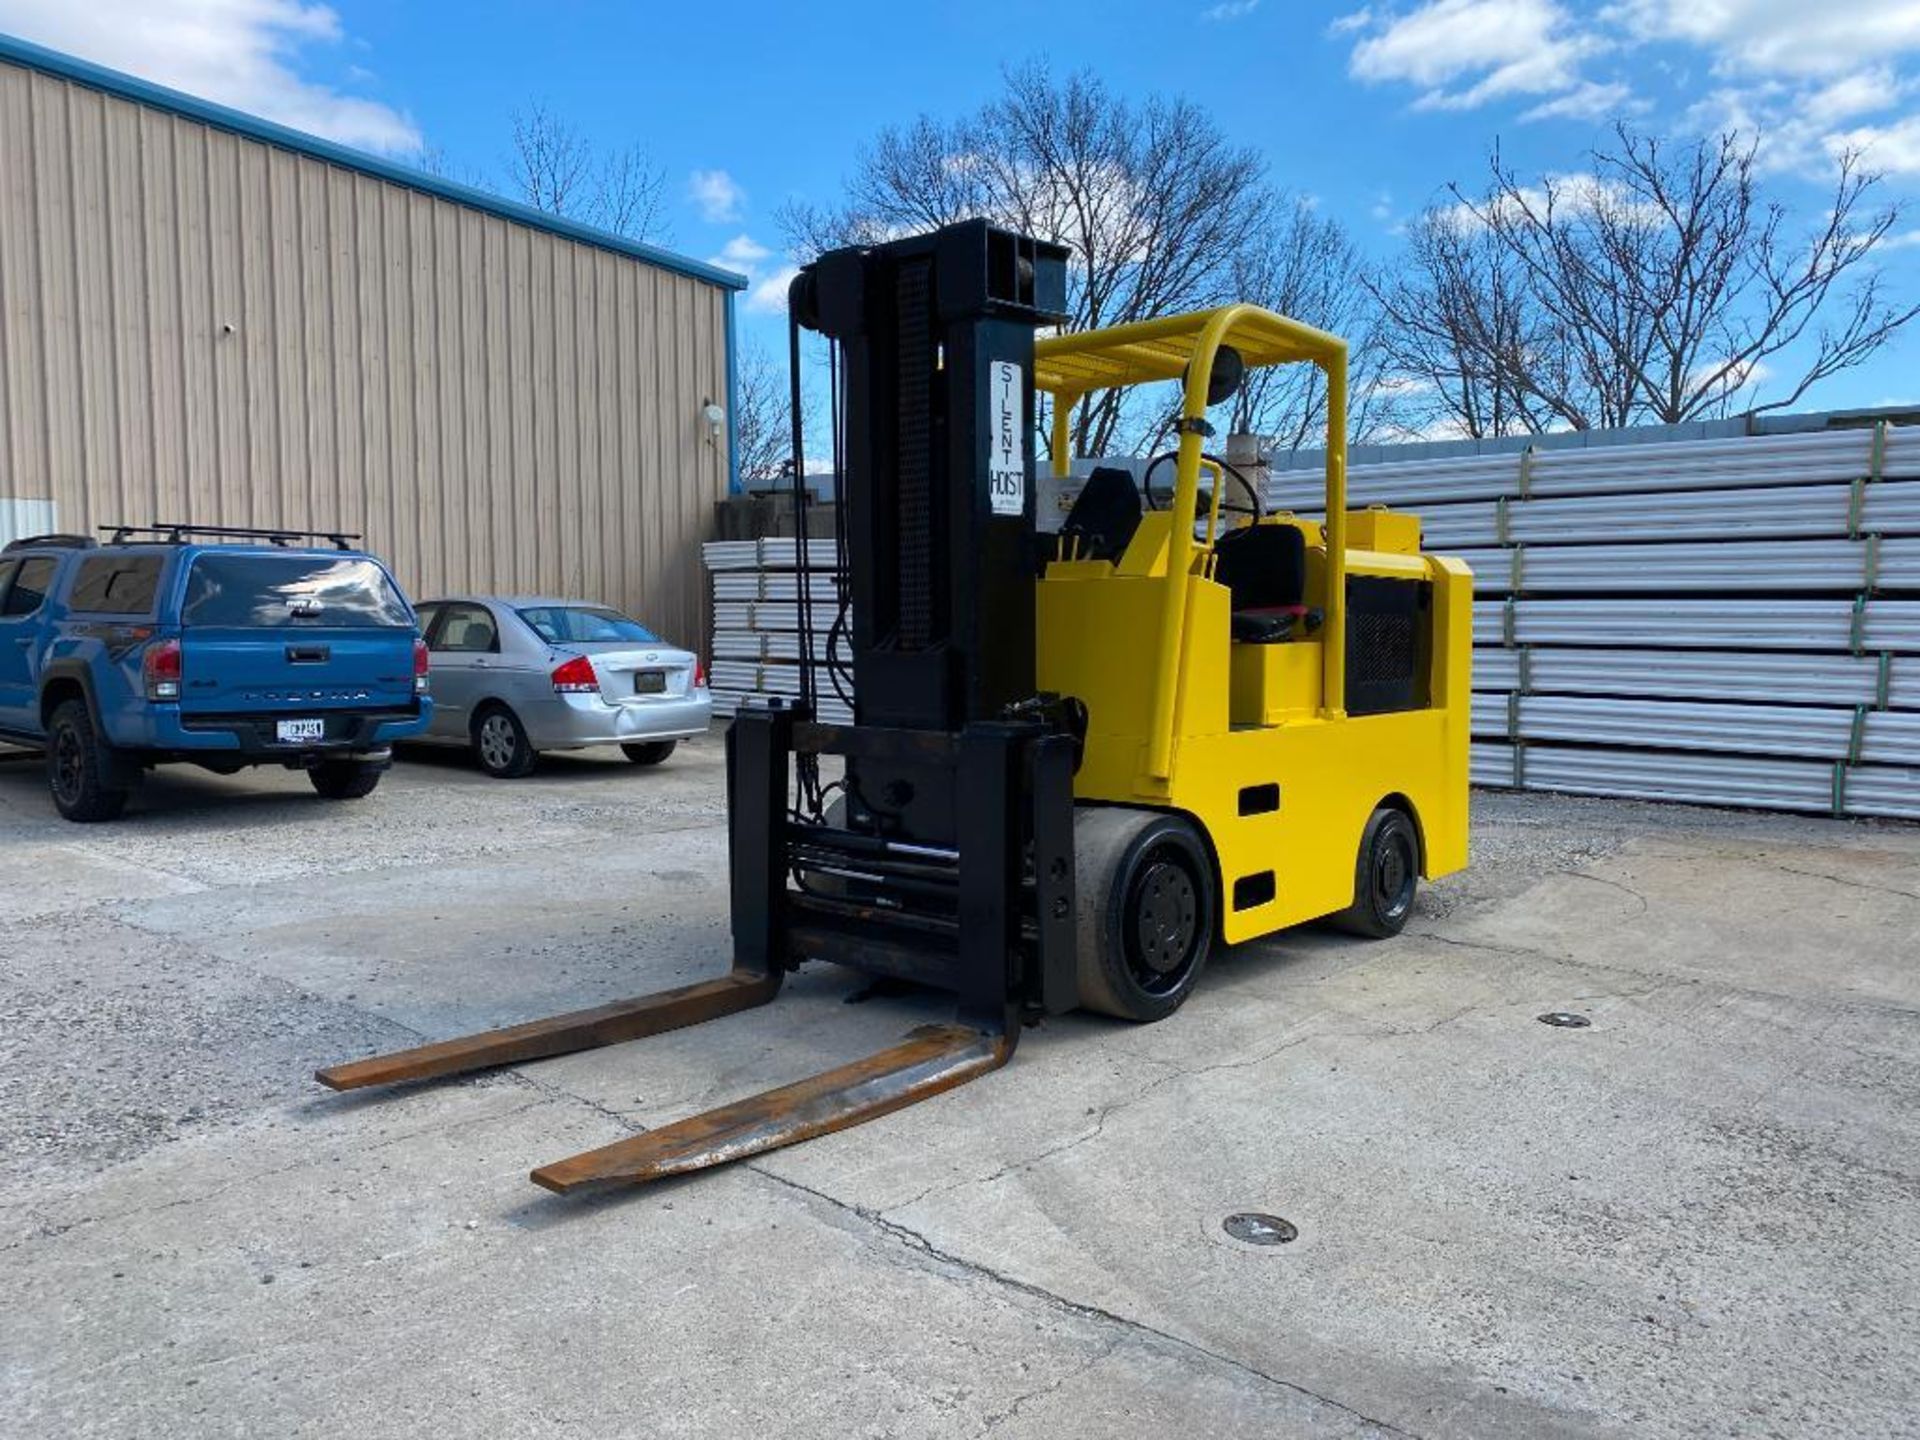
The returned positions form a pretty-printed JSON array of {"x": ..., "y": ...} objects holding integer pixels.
[{"x": 198, "y": 326}]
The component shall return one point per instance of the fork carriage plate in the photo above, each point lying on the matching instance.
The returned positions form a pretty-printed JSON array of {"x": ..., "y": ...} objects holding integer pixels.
[{"x": 292, "y": 732}]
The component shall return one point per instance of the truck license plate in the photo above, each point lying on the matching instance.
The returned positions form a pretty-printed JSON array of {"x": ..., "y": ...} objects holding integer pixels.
[
  {"x": 289, "y": 732},
  {"x": 649, "y": 682}
]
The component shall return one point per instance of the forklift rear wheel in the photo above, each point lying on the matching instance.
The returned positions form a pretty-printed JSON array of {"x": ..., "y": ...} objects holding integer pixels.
[
  {"x": 1385, "y": 875},
  {"x": 650, "y": 752},
  {"x": 1145, "y": 890}
]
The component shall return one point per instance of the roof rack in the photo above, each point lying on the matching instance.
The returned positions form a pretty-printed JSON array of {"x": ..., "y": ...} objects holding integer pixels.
[
  {"x": 176, "y": 534},
  {"x": 51, "y": 542}
]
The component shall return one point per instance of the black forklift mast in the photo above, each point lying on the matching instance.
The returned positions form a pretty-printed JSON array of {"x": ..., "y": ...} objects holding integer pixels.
[
  {"x": 958, "y": 798},
  {"x": 951, "y": 864}
]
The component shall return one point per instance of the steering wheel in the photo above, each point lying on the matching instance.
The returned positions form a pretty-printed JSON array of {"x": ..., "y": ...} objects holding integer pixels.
[{"x": 1252, "y": 508}]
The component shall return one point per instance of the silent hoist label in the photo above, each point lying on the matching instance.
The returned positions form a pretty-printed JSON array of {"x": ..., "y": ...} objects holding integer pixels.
[{"x": 1007, "y": 445}]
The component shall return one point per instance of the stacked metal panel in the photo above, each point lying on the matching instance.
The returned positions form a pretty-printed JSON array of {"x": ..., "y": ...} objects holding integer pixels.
[
  {"x": 756, "y": 622},
  {"x": 1729, "y": 621}
]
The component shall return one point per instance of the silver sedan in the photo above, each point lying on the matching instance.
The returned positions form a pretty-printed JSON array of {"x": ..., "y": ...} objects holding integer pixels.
[{"x": 517, "y": 675}]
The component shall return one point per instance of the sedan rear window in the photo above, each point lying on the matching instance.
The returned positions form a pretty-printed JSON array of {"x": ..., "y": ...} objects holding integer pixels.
[
  {"x": 584, "y": 625},
  {"x": 270, "y": 591}
]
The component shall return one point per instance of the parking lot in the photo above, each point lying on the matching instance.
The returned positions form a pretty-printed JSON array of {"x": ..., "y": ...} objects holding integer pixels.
[{"x": 1695, "y": 1216}]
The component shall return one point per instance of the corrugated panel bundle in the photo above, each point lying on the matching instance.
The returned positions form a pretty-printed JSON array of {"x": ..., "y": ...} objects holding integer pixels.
[
  {"x": 1728, "y": 622},
  {"x": 756, "y": 622}
]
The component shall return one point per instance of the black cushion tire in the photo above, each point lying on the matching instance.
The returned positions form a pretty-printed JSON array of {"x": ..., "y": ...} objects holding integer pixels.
[
  {"x": 1386, "y": 874},
  {"x": 345, "y": 779},
  {"x": 1145, "y": 889},
  {"x": 500, "y": 744},
  {"x": 650, "y": 752},
  {"x": 81, "y": 767}
]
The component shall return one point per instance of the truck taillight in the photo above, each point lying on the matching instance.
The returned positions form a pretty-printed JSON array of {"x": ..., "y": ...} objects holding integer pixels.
[
  {"x": 160, "y": 667},
  {"x": 421, "y": 665},
  {"x": 575, "y": 677}
]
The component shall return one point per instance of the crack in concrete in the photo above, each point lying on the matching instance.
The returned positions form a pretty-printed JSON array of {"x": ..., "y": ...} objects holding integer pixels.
[
  {"x": 1126, "y": 1102},
  {"x": 1839, "y": 880},
  {"x": 913, "y": 1240},
  {"x": 1020, "y": 1402},
  {"x": 1581, "y": 962},
  {"x": 1624, "y": 889}
]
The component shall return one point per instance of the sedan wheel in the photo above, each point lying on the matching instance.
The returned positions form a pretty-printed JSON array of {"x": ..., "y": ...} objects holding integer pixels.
[{"x": 500, "y": 744}]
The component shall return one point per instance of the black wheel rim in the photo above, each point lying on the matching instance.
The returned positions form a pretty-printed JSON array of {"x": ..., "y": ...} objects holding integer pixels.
[
  {"x": 69, "y": 765},
  {"x": 1393, "y": 874},
  {"x": 1163, "y": 924}
]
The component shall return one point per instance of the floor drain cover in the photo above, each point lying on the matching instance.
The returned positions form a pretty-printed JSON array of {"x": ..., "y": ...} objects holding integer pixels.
[
  {"x": 1256, "y": 1229},
  {"x": 1565, "y": 1019}
]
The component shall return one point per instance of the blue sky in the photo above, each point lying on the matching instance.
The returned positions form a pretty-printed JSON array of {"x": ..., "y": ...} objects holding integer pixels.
[{"x": 1371, "y": 110}]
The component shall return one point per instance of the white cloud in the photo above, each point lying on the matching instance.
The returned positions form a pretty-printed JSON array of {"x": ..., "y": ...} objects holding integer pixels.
[
  {"x": 768, "y": 295},
  {"x": 717, "y": 196},
  {"x": 243, "y": 53},
  {"x": 1464, "y": 53},
  {"x": 742, "y": 253},
  {"x": 1579, "y": 193},
  {"x": 1906, "y": 240},
  {"x": 1891, "y": 149},
  {"x": 1230, "y": 10},
  {"x": 1808, "y": 80},
  {"x": 1789, "y": 37},
  {"x": 766, "y": 289},
  {"x": 1589, "y": 100}
]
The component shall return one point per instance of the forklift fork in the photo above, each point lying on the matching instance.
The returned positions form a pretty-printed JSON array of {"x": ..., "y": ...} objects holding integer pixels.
[{"x": 1015, "y": 789}]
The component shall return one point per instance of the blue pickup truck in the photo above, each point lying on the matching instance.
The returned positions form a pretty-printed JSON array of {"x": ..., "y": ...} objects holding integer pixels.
[{"x": 153, "y": 647}]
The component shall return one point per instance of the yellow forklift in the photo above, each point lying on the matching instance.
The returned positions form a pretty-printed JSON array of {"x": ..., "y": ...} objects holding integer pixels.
[{"x": 1077, "y": 760}]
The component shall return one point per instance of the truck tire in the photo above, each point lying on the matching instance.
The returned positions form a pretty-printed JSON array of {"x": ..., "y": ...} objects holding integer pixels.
[
  {"x": 345, "y": 779},
  {"x": 500, "y": 743},
  {"x": 1144, "y": 886},
  {"x": 81, "y": 767},
  {"x": 1386, "y": 874},
  {"x": 651, "y": 752}
]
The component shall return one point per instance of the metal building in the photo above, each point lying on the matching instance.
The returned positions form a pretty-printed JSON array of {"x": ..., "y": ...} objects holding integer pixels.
[{"x": 206, "y": 317}]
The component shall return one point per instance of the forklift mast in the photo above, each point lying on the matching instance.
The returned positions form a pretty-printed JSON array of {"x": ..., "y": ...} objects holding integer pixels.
[{"x": 936, "y": 334}]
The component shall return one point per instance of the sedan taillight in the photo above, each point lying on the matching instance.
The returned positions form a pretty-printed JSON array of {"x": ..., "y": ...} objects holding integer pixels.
[
  {"x": 421, "y": 665},
  {"x": 575, "y": 677},
  {"x": 699, "y": 674},
  {"x": 160, "y": 668}
]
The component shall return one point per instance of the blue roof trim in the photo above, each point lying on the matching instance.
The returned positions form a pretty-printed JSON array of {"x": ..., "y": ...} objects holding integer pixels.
[
  {"x": 733, "y": 404},
  {"x": 127, "y": 87}
]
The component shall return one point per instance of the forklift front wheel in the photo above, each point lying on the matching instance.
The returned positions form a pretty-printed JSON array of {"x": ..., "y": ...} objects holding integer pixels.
[
  {"x": 1385, "y": 875},
  {"x": 1146, "y": 898}
]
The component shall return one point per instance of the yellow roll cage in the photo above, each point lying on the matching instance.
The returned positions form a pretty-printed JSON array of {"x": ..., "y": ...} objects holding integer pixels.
[{"x": 1070, "y": 367}]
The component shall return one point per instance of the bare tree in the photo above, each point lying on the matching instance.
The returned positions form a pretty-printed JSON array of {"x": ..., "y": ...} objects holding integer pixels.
[
  {"x": 1678, "y": 288},
  {"x": 630, "y": 195},
  {"x": 763, "y": 416},
  {"x": 1152, "y": 200},
  {"x": 553, "y": 167},
  {"x": 1303, "y": 265},
  {"x": 1460, "y": 338}
]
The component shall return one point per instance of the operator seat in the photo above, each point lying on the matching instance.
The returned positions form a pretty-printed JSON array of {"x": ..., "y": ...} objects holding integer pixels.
[
  {"x": 1105, "y": 514},
  {"x": 1264, "y": 567}
]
